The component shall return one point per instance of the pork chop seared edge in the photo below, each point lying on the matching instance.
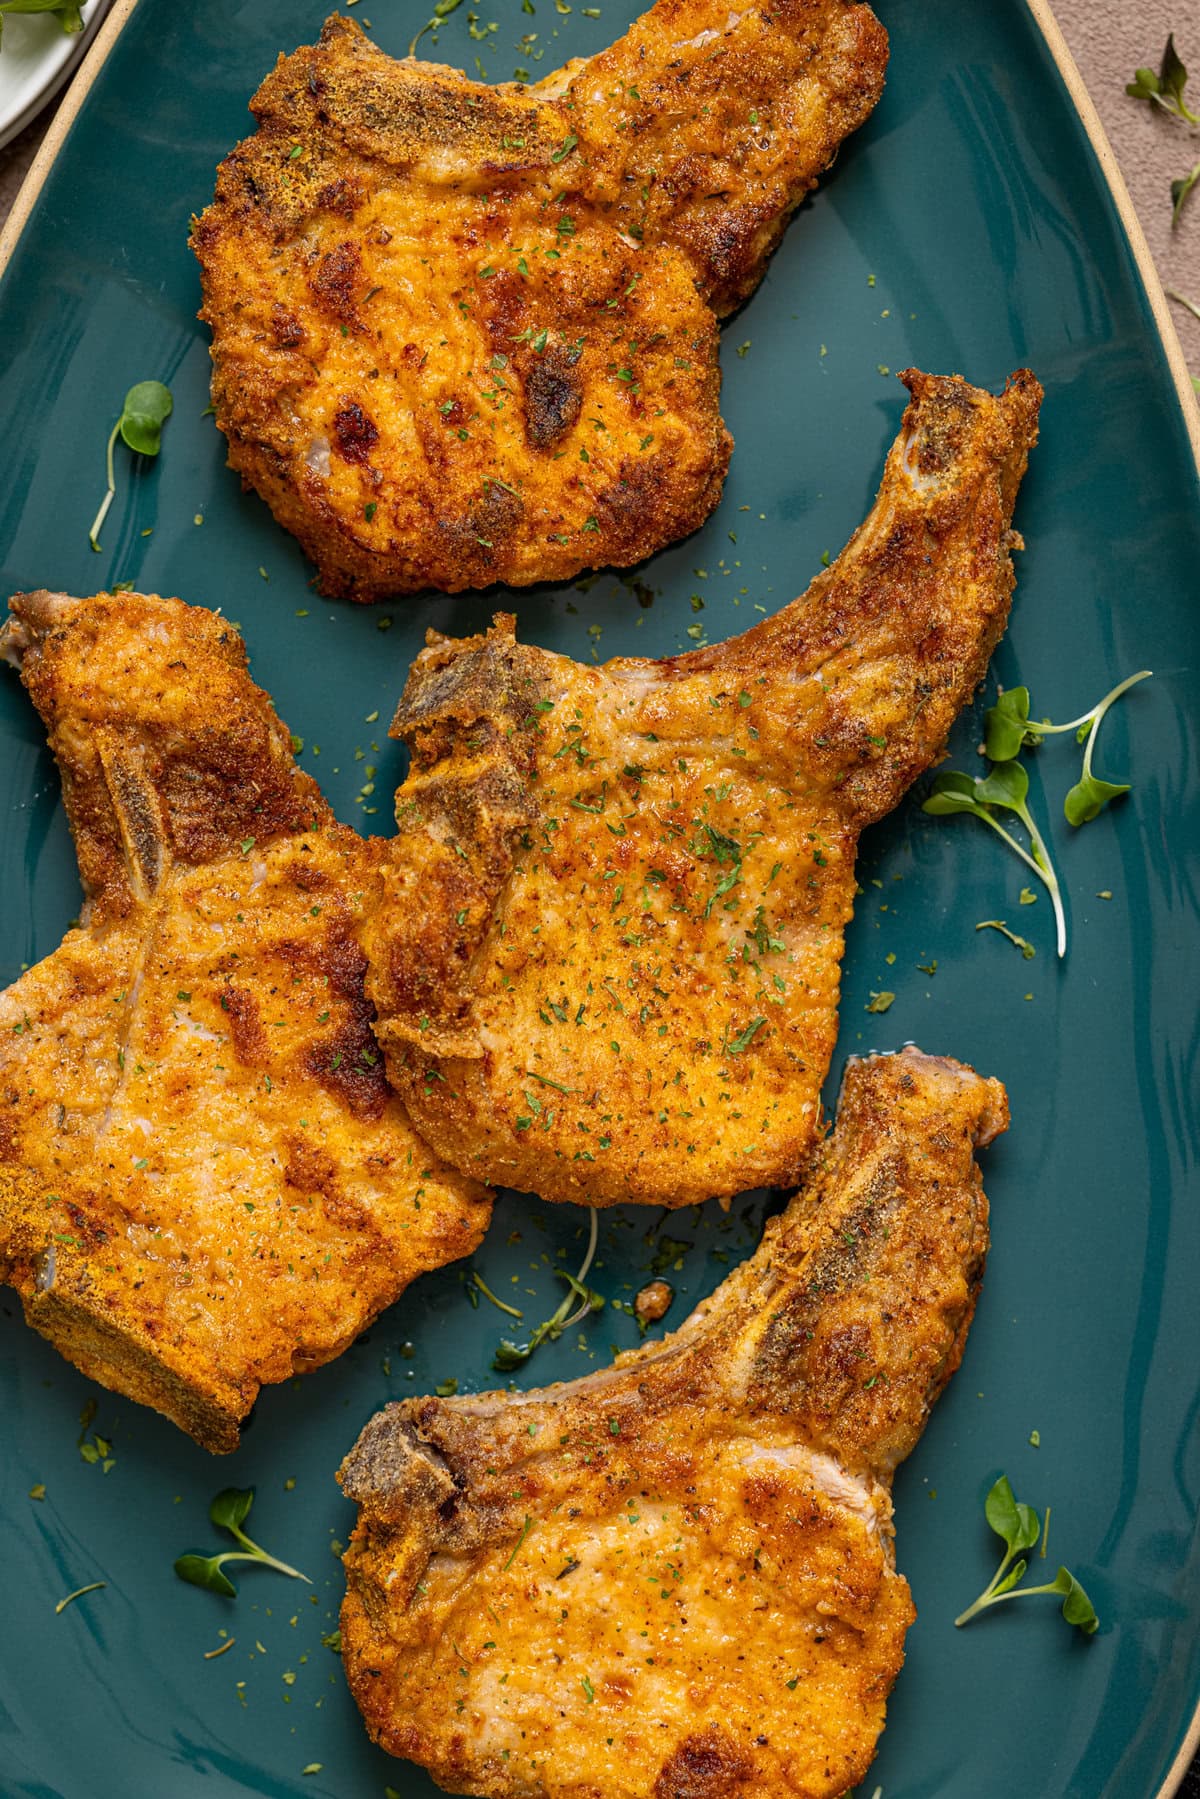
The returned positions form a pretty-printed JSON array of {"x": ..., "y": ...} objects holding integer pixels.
[
  {"x": 674, "y": 1578},
  {"x": 196, "y": 1122},
  {"x": 465, "y": 334},
  {"x": 206, "y": 1182},
  {"x": 606, "y": 960}
]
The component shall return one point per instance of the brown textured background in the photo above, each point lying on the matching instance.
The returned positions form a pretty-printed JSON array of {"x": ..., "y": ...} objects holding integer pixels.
[{"x": 1108, "y": 39}]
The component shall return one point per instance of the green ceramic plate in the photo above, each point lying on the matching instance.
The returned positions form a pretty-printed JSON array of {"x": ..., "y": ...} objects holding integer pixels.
[{"x": 967, "y": 227}]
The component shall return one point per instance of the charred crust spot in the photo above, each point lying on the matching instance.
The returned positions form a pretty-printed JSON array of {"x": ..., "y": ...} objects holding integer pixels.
[
  {"x": 341, "y": 196},
  {"x": 349, "y": 1065},
  {"x": 347, "y": 1062},
  {"x": 496, "y": 517},
  {"x": 9, "y": 1143},
  {"x": 342, "y": 960},
  {"x": 309, "y": 879},
  {"x": 355, "y": 433},
  {"x": 286, "y": 328},
  {"x": 553, "y": 397},
  {"x": 628, "y": 511},
  {"x": 705, "y": 1766},
  {"x": 245, "y": 1026},
  {"x": 335, "y": 280},
  {"x": 89, "y": 1234}
]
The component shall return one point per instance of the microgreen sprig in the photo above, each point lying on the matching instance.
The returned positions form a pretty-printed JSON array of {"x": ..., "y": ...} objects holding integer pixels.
[
  {"x": 1019, "y": 1527},
  {"x": 1165, "y": 89},
  {"x": 229, "y": 1511},
  {"x": 1008, "y": 727},
  {"x": 147, "y": 408},
  {"x": 65, "y": 11},
  {"x": 511, "y": 1355},
  {"x": 441, "y": 13},
  {"x": 1181, "y": 187},
  {"x": 1006, "y": 786}
]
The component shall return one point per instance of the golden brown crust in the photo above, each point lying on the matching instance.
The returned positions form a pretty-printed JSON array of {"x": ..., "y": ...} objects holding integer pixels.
[
  {"x": 606, "y": 948},
  {"x": 466, "y": 334},
  {"x": 675, "y": 1576},
  {"x": 206, "y": 1183}
]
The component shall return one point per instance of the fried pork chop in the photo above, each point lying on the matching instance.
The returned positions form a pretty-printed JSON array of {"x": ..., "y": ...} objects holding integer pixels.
[
  {"x": 466, "y": 334},
  {"x": 675, "y": 1578},
  {"x": 206, "y": 1182},
  {"x": 606, "y": 962}
]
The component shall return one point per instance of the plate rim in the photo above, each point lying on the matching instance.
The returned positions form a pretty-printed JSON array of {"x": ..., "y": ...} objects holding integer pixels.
[
  {"x": 19, "y": 121},
  {"x": 119, "y": 14}
]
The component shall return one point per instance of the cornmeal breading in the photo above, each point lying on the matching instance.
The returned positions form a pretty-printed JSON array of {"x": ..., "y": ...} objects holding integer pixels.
[
  {"x": 606, "y": 959},
  {"x": 206, "y": 1182},
  {"x": 674, "y": 1579},
  {"x": 466, "y": 334}
]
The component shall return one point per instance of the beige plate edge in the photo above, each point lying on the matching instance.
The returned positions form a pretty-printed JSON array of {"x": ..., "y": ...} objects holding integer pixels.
[
  {"x": 1047, "y": 24},
  {"x": 59, "y": 126},
  {"x": 1090, "y": 119}
]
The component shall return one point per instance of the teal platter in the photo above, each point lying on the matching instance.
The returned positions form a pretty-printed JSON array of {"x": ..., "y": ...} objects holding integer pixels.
[{"x": 968, "y": 227}]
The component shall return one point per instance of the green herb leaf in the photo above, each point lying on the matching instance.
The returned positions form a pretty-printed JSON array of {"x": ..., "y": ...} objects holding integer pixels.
[
  {"x": 997, "y": 924},
  {"x": 205, "y": 1571},
  {"x": 1020, "y": 1528},
  {"x": 146, "y": 409},
  {"x": 229, "y": 1511},
  {"x": 1077, "y": 1607},
  {"x": 1018, "y": 1525},
  {"x": 1180, "y": 190},
  {"x": 1088, "y": 798},
  {"x": 951, "y": 792},
  {"x": 1006, "y": 784},
  {"x": 510, "y": 1355},
  {"x": 736, "y": 1046},
  {"x": 1166, "y": 89},
  {"x": 67, "y": 12},
  {"x": 231, "y": 1507},
  {"x": 525, "y": 1530},
  {"x": 1144, "y": 85},
  {"x": 1005, "y": 725}
]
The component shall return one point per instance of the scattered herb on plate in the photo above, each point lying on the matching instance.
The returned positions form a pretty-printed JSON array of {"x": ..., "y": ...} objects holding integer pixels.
[
  {"x": 146, "y": 410},
  {"x": 511, "y": 1355},
  {"x": 1020, "y": 1527},
  {"x": 94, "y": 1586},
  {"x": 441, "y": 12},
  {"x": 997, "y": 924},
  {"x": 229, "y": 1511},
  {"x": 1005, "y": 786},
  {"x": 1008, "y": 727}
]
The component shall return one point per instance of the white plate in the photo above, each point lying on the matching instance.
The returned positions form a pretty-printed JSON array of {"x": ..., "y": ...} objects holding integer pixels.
[{"x": 36, "y": 57}]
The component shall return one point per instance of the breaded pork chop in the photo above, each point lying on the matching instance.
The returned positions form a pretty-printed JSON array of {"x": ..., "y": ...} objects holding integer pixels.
[
  {"x": 675, "y": 1579},
  {"x": 606, "y": 961},
  {"x": 206, "y": 1182},
  {"x": 466, "y": 334}
]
